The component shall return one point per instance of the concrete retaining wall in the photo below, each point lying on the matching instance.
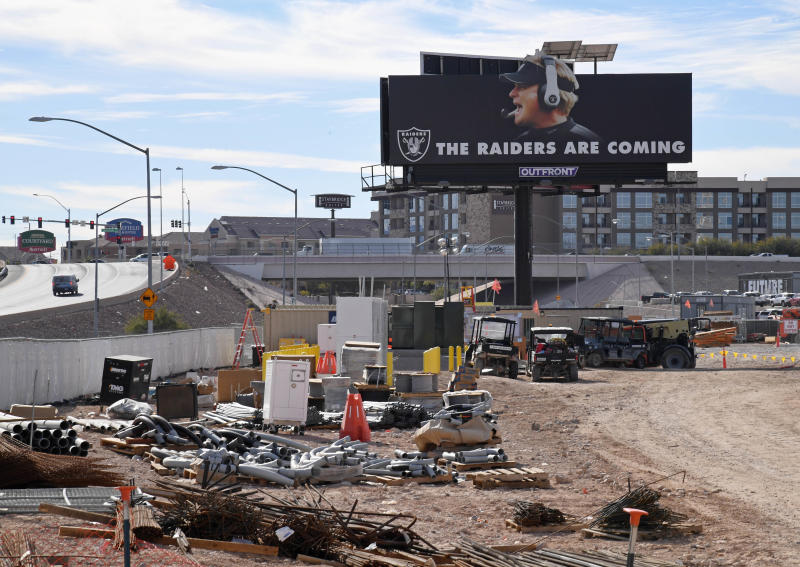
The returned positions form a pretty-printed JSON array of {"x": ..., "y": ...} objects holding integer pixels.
[{"x": 66, "y": 369}]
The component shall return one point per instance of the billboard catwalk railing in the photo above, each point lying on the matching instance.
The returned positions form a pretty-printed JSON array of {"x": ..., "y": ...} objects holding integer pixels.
[{"x": 67, "y": 369}]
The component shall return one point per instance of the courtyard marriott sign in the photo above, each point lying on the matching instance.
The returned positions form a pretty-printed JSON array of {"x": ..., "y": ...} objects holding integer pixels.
[{"x": 38, "y": 241}]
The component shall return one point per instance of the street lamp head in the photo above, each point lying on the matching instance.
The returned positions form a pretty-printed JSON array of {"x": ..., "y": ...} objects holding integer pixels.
[
  {"x": 443, "y": 251},
  {"x": 441, "y": 242},
  {"x": 40, "y": 119},
  {"x": 156, "y": 169},
  {"x": 219, "y": 167}
]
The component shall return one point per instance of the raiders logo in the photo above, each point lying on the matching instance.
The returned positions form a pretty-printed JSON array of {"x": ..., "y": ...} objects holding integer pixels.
[{"x": 414, "y": 143}]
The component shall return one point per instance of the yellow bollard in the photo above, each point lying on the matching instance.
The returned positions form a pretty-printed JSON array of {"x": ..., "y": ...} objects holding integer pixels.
[
  {"x": 389, "y": 368},
  {"x": 450, "y": 358},
  {"x": 458, "y": 356}
]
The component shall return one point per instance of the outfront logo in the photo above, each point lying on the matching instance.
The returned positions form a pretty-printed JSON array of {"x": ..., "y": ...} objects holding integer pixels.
[
  {"x": 549, "y": 171},
  {"x": 414, "y": 143}
]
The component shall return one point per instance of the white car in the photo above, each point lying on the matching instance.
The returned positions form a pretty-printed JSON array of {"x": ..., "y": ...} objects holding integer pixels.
[
  {"x": 144, "y": 258},
  {"x": 781, "y": 299}
]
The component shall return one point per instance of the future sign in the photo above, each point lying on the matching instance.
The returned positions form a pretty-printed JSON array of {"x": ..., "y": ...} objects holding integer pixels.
[
  {"x": 38, "y": 241},
  {"x": 124, "y": 230}
]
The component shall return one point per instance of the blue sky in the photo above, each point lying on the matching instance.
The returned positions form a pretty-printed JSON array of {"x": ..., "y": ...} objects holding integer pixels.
[{"x": 290, "y": 89}]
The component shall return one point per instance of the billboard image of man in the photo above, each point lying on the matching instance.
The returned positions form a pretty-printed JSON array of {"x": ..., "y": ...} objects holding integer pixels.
[{"x": 543, "y": 97}]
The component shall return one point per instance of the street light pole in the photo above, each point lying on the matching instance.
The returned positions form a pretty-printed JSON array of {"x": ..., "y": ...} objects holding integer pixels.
[
  {"x": 183, "y": 221},
  {"x": 146, "y": 152},
  {"x": 160, "y": 231},
  {"x": 294, "y": 192},
  {"x": 96, "y": 250},
  {"x": 69, "y": 226}
]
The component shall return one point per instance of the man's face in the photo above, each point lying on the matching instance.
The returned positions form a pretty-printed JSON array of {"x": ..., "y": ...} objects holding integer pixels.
[{"x": 526, "y": 101}]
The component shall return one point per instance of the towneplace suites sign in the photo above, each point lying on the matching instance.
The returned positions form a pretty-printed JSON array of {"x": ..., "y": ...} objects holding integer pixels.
[{"x": 38, "y": 241}]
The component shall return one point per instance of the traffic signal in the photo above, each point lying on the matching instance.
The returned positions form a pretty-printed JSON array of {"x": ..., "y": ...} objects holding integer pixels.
[
  {"x": 39, "y": 222},
  {"x": 91, "y": 224},
  {"x": 4, "y": 219},
  {"x": 12, "y": 219},
  {"x": 180, "y": 223},
  {"x": 172, "y": 224},
  {"x": 66, "y": 223}
]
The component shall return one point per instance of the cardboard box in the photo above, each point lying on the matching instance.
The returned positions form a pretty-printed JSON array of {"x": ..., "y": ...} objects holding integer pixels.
[
  {"x": 231, "y": 382},
  {"x": 41, "y": 412}
]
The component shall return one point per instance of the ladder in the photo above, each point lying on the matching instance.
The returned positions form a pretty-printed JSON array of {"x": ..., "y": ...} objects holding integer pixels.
[
  {"x": 248, "y": 325},
  {"x": 468, "y": 296}
]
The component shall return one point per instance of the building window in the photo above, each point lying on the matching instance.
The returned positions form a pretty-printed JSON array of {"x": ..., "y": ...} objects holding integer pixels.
[
  {"x": 705, "y": 200},
  {"x": 603, "y": 220},
  {"x": 704, "y": 220},
  {"x": 412, "y": 224},
  {"x": 624, "y": 239},
  {"x": 446, "y": 222},
  {"x": 603, "y": 201},
  {"x": 623, "y": 200},
  {"x": 683, "y": 218},
  {"x": 386, "y": 206},
  {"x": 644, "y": 220},
  {"x": 725, "y": 221},
  {"x": 725, "y": 200},
  {"x": 643, "y": 240},
  {"x": 661, "y": 198},
  {"x": 569, "y": 220},
  {"x": 662, "y": 218},
  {"x": 623, "y": 221},
  {"x": 795, "y": 199},
  {"x": 779, "y": 200},
  {"x": 454, "y": 201},
  {"x": 586, "y": 220},
  {"x": 445, "y": 201},
  {"x": 454, "y": 221},
  {"x": 726, "y": 236},
  {"x": 569, "y": 201},
  {"x": 412, "y": 205},
  {"x": 778, "y": 220},
  {"x": 421, "y": 204},
  {"x": 795, "y": 221},
  {"x": 682, "y": 198},
  {"x": 644, "y": 200},
  {"x": 568, "y": 240},
  {"x": 386, "y": 226}
]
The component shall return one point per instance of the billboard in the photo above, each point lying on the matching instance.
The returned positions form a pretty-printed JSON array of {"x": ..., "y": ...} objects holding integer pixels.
[
  {"x": 332, "y": 201},
  {"x": 449, "y": 120},
  {"x": 124, "y": 230},
  {"x": 39, "y": 241}
]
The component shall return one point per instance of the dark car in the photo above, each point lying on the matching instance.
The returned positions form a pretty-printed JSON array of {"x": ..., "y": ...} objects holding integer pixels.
[{"x": 67, "y": 283}]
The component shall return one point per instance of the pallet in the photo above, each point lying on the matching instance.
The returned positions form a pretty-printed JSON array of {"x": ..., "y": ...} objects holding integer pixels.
[
  {"x": 676, "y": 530},
  {"x": 138, "y": 446},
  {"x": 434, "y": 394},
  {"x": 463, "y": 467},
  {"x": 549, "y": 528},
  {"x": 448, "y": 445},
  {"x": 401, "y": 481},
  {"x": 520, "y": 477}
]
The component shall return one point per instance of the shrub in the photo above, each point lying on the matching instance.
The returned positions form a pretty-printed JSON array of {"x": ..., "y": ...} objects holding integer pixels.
[{"x": 164, "y": 320}]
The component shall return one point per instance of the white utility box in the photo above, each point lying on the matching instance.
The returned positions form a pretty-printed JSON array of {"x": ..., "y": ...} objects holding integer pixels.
[
  {"x": 363, "y": 319},
  {"x": 326, "y": 337},
  {"x": 286, "y": 385}
]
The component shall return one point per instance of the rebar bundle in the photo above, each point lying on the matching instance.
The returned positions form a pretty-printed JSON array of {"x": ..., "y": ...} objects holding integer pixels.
[
  {"x": 311, "y": 525},
  {"x": 402, "y": 415},
  {"x": 536, "y": 514},
  {"x": 611, "y": 516},
  {"x": 17, "y": 549},
  {"x": 20, "y": 467}
]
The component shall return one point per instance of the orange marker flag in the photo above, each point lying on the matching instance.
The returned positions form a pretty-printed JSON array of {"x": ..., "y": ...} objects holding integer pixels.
[
  {"x": 711, "y": 303},
  {"x": 536, "y": 307},
  {"x": 496, "y": 286},
  {"x": 688, "y": 305}
]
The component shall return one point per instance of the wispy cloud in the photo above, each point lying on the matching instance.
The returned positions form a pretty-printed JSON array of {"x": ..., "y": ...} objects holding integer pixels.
[
  {"x": 19, "y": 90},
  {"x": 201, "y": 115},
  {"x": 205, "y": 96},
  {"x": 25, "y": 140},
  {"x": 109, "y": 115},
  {"x": 356, "y": 105}
]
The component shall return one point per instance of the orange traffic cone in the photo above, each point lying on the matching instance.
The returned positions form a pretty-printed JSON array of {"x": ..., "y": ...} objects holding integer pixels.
[
  {"x": 354, "y": 422},
  {"x": 321, "y": 364},
  {"x": 330, "y": 358}
]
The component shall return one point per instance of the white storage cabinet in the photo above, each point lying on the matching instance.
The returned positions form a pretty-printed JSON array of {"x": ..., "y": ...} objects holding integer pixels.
[{"x": 286, "y": 392}]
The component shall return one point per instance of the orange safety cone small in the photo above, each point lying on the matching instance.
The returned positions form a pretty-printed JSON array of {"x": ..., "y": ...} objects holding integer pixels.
[
  {"x": 354, "y": 422},
  {"x": 331, "y": 356},
  {"x": 321, "y": 363}
]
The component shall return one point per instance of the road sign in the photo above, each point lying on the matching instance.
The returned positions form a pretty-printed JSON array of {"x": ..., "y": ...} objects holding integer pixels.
[
  {"x": 149, "y": 314},
  {"x": 790, "y": 326},
  {"x": 148, "y": 297}
]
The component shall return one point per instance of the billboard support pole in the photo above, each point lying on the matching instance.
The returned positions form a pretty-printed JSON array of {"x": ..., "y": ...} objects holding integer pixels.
[{"x": 522, "y": 248}]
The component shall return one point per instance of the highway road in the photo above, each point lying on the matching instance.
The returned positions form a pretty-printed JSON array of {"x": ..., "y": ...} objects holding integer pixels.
[{"x": 29, "y": 287}]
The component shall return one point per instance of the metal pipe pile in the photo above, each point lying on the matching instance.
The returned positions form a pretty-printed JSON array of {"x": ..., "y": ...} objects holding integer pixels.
[
  {"x": 53, "y": 436},
  {"x": 231, "y": 413},
  {"x": 476, "y": 456},
  {"x": 405, "y": 465}
]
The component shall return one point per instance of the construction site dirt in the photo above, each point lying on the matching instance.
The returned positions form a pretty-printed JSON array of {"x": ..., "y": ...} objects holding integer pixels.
[{"x": 733, "y": 432}]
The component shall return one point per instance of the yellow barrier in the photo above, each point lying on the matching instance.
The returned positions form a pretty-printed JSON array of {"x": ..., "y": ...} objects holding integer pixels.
[
  {"x": 290, "y": 341},
  {"x": 432, "y": 360},
  {"x": 746, "y": 356},
  {"x": 389, "y": 368}
]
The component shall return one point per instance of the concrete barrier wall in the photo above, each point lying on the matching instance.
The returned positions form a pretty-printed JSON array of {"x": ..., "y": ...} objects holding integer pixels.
[{"x": 66, "y": 369}]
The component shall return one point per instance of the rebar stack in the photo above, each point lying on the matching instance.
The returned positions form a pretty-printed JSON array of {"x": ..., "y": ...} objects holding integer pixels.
[
  {"x": 536, "y": 514},
  {"x": 315, "y": 527},
  {"x": 611, "y": 516},
  {"x": 21, "y": 467},
  {"x": 17, "y": 549}
]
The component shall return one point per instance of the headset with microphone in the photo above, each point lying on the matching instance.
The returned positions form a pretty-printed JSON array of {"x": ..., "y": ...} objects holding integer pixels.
[{"x": 549, "y": 97}]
